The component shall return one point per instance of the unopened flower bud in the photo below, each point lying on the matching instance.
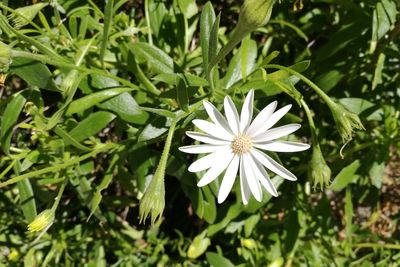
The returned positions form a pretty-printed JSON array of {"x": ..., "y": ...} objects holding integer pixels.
[
  {"x": 319, "y": 171},
  {"x": 345, "y": 120},
  {"x": 153, "y": 200},
  {"x": 254, "y": 14},
  {"x": 24, "y": 15},
  {"x": 42, "y": 221},
  {"x": 5, "y": 56}
]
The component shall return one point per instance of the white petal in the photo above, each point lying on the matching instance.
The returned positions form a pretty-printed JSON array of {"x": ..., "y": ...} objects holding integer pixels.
[
  {"x": 276, "y": 133},
  {"x": 282, "y": 146},
  {"x": 216, "y": 116},
  {"x": 263, "y": 177},
  {"x": 247, "y": 111},
  {"x": 213, "y": 129},
  {"x": 271, "y": 121},
  {"x": 199, "y": 149},
  {"x": 222, "y": 159},
  {"x": 232, "y": 115},
  {"x": 205, "y": 138},
  {"x": 202, "y": 164},
  {"x": 261, "y": 118},
  {"x": 228, "y": 180},
  {"x": 272, "y": 165},
  {"x": 252, "y": 180},
  {"x": 244, "y": 187}
]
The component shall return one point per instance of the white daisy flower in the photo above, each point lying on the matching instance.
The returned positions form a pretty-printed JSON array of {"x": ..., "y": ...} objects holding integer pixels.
[{"x": 235, "y": 144}]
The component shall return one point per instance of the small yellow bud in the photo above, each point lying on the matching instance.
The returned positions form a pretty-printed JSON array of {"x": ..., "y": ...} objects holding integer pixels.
[
  {"x": 42, "y": 221},
  {"x": 14, "y": 255},
  {"x": 249, "y": 243}
]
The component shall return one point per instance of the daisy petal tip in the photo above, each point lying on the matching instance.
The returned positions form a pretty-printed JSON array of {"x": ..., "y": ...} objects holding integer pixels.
[{"x": 200, "y": 184}]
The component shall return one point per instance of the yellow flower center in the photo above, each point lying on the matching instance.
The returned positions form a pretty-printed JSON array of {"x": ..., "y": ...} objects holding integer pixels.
[{"x": 241, "y": 144}]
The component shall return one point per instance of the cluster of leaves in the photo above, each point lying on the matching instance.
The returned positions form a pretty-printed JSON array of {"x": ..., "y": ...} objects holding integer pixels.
[{"x": 89, "y": 91}]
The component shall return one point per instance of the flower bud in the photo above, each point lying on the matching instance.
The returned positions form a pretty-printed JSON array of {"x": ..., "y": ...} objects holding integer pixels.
[
  {"x": 345, "y": 120},
  {"x": 42, "y": 221},
  {"x": 5, "y": 57},
  {"x": 319, "y": 171},
  {"x": 24, "y": 15},
  {"x": 153, "y": 200},
  {"x": 254, "y": 14}
]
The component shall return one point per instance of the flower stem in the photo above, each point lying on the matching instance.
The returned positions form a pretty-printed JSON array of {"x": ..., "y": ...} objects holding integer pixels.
[
  {"x": 59, "y": 194},
  {"x": 36, "y": 174},
  {"x": 66, "y": 64},
  {"x": 315, "y": 87},
  {"x": 310, "y": 122}
]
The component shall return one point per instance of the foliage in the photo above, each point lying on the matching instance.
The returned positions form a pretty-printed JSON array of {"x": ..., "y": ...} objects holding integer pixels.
[{"x": 96, "y": 97}]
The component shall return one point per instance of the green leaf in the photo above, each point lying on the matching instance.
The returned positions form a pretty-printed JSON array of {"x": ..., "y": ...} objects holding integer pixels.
[
  {"x": 328, "y": 80},
  {"x": 91, "y": 125},
  {"x": 206, "y": 22},
  {"x": 182, "y": 94},
  {"x": 356, "y": 105},
  {"x": 108, "y": 17},
  {"x": 213, "y": 42},
  {"x": 126, "y": 107},
  {"x": 9, "y": 118},
  {"x": 383, "y": 18},
  {"x": 250, "y": 224},
  {"x": 89, "y": 101},
  {"x": 216, "y": 260},
  {"x": 210, "y": 208},
  {"x": 34, "y": 73},
  {"x": 269, "y": 58},
  {"x": 243, "y": 62},
  {"x": 349, "y": 212},
  {"x": 26, "y": 196},
  {"x": 346, "y": 176},
  {"x": 155, "y": 15},
  {"x": 376, "y": 173},
  {"x": 171, "y": 79},
  {"x": 378, "y": 71},
  {"x": 188, "y": 7},
  {"x": 157, "y": 59}
]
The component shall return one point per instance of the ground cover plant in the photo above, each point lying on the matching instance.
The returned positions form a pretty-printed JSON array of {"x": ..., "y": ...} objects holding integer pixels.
[{"x": 107, "y": 107}]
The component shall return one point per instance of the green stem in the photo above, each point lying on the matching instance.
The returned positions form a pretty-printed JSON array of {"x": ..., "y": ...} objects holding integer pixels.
[
  {"x": 59, "y": 194},
  {"x": 38, "y": 173},
  {"x": 64, "y": 64},
  {"x": 311, "y": 123},
  {"x": 146, "y": 8},
  {"x": 375, "y": 245},
  {"x": 315, "y": 87}
]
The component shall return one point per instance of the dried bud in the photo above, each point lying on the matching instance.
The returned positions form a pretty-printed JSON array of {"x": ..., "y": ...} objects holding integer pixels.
[
  {"x": 345, "y": 120},
  {"x": 319, "y": 171},
  {"x": 23, "y": 15},
  {"x": 42, "y": 221}
]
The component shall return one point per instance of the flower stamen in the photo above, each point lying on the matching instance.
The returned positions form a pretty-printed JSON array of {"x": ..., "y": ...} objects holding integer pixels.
[{"x": 241, "y": 144}]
